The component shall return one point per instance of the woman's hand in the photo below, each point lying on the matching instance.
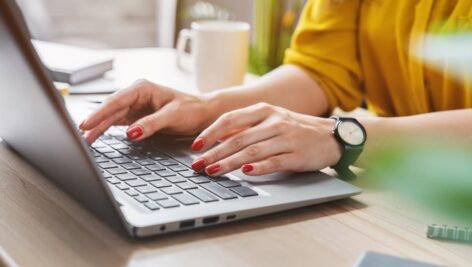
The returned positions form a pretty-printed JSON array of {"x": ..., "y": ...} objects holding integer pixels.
[
  {"x": 149, "y": 108},
  {"x": 264, "y": 139}
]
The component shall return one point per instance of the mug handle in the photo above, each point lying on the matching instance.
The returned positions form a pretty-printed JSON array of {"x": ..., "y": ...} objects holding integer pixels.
[{"x": 185, "y": 36}]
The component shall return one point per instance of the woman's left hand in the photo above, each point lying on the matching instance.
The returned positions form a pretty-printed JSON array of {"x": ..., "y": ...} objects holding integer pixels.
[{"x": 264, "y": 139}]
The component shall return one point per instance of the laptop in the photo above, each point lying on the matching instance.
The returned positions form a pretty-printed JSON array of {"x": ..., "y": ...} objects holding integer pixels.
[{"x": 138, "y": 188}]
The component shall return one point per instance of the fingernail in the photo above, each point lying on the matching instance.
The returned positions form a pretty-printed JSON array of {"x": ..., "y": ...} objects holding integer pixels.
[
  {"x": 81, "y": 124},
  {"x": 247, "y": 168},
  {"x": 198, "y": 164},
  {"x": 198, "y": 144},
  {"x": 212, "y": 169},
  {"x": 134, "y": 132}
]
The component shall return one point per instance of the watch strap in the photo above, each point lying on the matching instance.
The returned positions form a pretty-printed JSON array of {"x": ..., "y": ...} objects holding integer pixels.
[{"x": 346, "y": 160}]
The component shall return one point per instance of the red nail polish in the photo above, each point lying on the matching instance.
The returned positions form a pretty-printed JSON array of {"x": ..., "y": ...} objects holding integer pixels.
[
  {"x": 197, "y": 144},
  {"x": 134, "y": 132},
  {"x": 247, "y": 168},
  {"x": 213, "y": 169},
  {"x": 198, "y": 164}
]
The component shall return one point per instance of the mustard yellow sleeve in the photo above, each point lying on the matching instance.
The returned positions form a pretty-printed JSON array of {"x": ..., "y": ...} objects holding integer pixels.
[{"x": 325, "y": 44}]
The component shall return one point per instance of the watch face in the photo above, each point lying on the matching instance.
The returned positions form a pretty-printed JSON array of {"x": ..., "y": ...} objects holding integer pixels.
[{"x": 351, "y": 133}]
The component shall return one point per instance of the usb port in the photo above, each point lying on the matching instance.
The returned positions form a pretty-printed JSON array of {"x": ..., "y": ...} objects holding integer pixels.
[
  {"x": 209, "y": 220},
  {"x": 187, "y": 224}
]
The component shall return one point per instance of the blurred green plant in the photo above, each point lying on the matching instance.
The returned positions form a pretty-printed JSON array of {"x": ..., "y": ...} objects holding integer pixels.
[
  {"x": 437, "y": 176},
  {"x": 274, "y": 23}
]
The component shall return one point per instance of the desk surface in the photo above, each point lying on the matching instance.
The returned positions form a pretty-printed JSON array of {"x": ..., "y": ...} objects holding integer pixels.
[{"x": 41, "y": 226}]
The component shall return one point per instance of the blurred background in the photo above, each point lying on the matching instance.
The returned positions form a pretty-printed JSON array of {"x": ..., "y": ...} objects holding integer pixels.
[{"x": 156, "y": 23}]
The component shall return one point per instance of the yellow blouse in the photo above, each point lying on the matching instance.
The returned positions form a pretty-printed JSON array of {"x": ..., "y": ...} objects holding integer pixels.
[{"x": 362, "y": 50}]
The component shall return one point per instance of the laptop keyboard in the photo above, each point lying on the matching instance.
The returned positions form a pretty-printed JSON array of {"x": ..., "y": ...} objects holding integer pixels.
[{"x": 154, "y": 179}]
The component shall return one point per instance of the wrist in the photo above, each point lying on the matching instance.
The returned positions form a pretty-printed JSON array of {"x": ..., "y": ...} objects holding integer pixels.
[{"x": 336, "y": 148}]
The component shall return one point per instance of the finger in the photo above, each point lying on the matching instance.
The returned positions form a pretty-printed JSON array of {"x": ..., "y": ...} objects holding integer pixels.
[
  {"x": 150, "y": 124},
  {"x": 232, "y": 120},
  {"x": 252, "y": 153},
  {"x": 282, "y": 162},
  {"x": 138, "y": 93},
  {"x": 92, "y": 135},
  {"x": 234, "y": 144}
]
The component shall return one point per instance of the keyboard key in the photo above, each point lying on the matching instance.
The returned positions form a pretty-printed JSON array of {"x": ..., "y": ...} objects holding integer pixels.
[
  {"x": 165, "y": 173},
  {"x": 104, "y": 137},
  {"x": 106, "y": 175},
  {"x": 116, "y": 171},
  {"x": 113, "y": 155},
  {"x": 95, "y": 154},
  {"x": 122, "y": 186},
  {"x": 150, "y": 177},
  {"x": 98, "y": 144},
  {"x": 146, "y": 189},
  {"x": 186, "y": 199},
  {"x": 203, "y": 195},
  {"x": 131, "y": 166},
  {"x": 168, "y": 162},
  {"x": 172, "y": 190},
  {"x": 132, "y": 192},
  {"x": 189, "y": 173},
  {"x": 200, "y": 180},
  {"x": 229, "y": 183},
  {"x": 244, "y": 191},
  {"x": 125, "y": 151},
  {"x": 168, "y": 203},
  {"x": 101, "y": 159},
  {"x": 111, "y": 141},
  {"x": 136, "y": 183},
  {"x": 157, "y": 196},
  {"x": 175, "y": 179},
  {"x": 107, "y": 165},
  {"x": 140, "y": 171},
  {"x": 155, "y": 167},
  {"x": 158, "y": 156},
  {"x": 127, "y": 177},
  {"x": 141, "y": 199},
  {"x": 113, "y": 181},
  {"x": 119, "y": 146},
  {"x": 219, "y": 191},
  {"x": 178, "y": 168},
  {"x": 187, "y": 185},
  {"x": 104, "y": 149},
  {"x": 145, "y": 162},
  {"x": 151, "y": 206},
  {"x": 122, "y": 160},
  {"x": 134, "y": 156},
  {"x": 161, "y": 183}
]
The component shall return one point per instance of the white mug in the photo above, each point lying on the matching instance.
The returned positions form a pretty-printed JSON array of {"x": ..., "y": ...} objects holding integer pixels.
[{"x": 219, "y": 52}]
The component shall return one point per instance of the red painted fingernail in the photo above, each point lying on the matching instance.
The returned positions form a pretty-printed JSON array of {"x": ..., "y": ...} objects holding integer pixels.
[
  {"x": 198, "y": 144},
  {"x": 198, "y": 164},
  {"x": 247, "y": 168},
  {"x": 213, "y": 169},
  {"x": 134, "y": 132}
]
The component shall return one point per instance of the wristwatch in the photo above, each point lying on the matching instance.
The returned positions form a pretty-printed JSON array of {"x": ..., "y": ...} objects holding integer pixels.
[{"x": 351, "y": 135}]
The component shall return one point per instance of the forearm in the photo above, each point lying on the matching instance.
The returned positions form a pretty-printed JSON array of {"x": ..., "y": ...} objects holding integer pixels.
[
  {"x": 452, "y": 128},
  {"x": 288, "y": 86}
]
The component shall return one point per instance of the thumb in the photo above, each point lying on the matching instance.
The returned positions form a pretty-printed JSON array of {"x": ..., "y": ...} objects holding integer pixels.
[{"x": 148, "y": 125}]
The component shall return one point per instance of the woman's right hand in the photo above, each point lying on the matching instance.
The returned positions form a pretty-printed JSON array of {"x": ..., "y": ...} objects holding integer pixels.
[{"x": 147, "y": 108}]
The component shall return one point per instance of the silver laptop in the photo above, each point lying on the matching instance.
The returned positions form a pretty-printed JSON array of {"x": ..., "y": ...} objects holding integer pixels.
[{"x": 141, "y": 189}]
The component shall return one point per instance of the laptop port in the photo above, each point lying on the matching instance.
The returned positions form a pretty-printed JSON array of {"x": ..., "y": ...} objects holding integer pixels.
[
  {"x": 209, "y": 220},
  {"x": 231, "y": 217},
  {"x": 187, "y": 224}
]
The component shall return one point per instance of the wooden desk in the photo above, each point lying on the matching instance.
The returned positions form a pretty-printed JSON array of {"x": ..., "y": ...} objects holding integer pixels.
[{"x": 41, "y": 226}]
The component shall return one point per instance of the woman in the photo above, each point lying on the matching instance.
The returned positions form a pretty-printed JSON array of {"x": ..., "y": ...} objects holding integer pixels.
[{"x": 343, "y": 52}]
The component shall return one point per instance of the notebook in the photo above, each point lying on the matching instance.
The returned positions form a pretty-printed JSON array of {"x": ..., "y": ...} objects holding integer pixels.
[{"x": 73, "y": 65}]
